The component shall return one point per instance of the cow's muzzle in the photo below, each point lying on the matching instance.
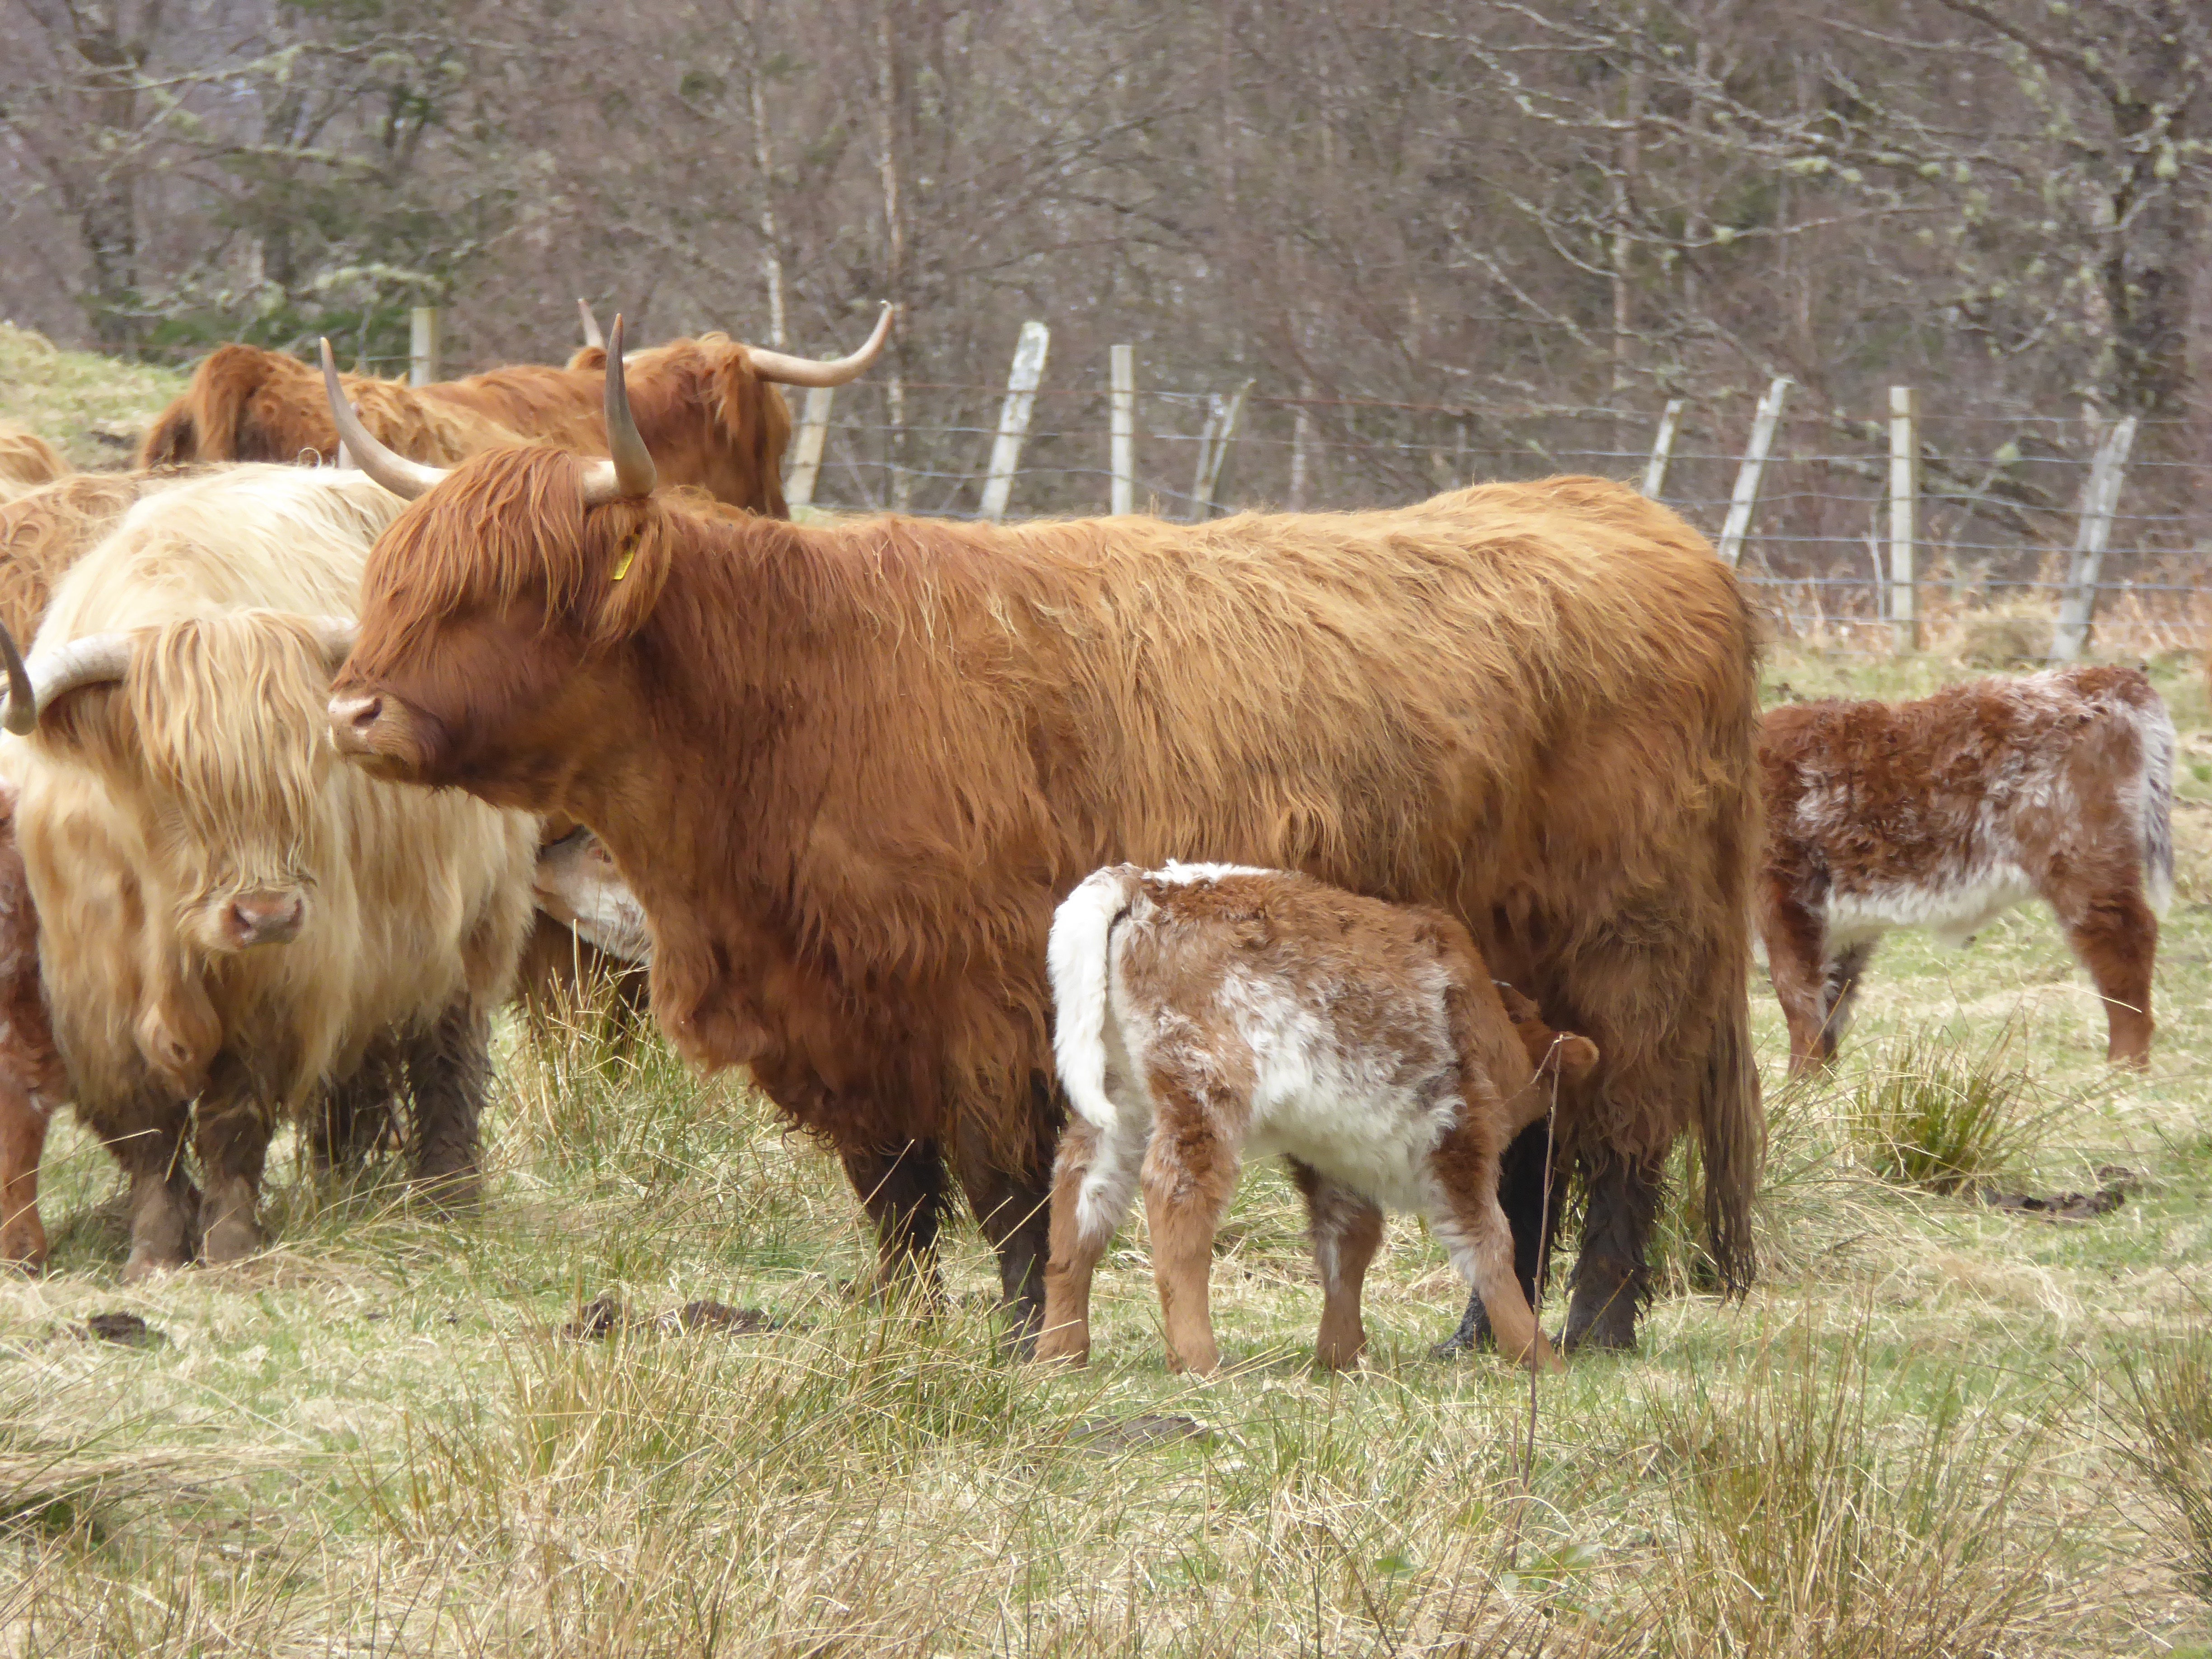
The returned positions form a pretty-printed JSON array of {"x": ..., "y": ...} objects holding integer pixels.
[
  {"x": 269, "y": 917},
  {"x": 374, "y": 730}
]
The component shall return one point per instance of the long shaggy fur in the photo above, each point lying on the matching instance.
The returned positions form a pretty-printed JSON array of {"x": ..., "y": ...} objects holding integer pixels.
[
  {"x": 44, "y": 531},
  {"x": 208, "y": 773},
  {"x": 710, "y": 423},
  {"x": 27, "y": 460},
  {"x": 849, "y": 770}
]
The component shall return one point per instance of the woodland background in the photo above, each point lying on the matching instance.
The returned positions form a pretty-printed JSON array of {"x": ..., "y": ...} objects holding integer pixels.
[{"x": 1395, "y": 216}]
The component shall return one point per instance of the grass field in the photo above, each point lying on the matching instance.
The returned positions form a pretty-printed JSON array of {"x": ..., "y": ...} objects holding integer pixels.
[
  {"x": 94, "y": 408},
  {"x": 1934, "y": 1428}
]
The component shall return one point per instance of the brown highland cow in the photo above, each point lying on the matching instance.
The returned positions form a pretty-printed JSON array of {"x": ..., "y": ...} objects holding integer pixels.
[{"x": 850, "y": 771}]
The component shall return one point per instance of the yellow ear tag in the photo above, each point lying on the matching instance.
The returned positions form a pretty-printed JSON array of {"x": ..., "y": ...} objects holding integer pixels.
[{"x": 622, "y": 564}]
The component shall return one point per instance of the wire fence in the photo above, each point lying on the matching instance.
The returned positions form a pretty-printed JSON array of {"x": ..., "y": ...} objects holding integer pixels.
[{"x": 2001, "y": 497}]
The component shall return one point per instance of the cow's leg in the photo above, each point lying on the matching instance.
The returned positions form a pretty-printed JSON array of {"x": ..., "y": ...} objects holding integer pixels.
[
  {"x": 349, "y": 1119},
  {"x": 1189, "y": 1175},
  {"x": 1472, "y": 1225},
  {"x": 164, "y": 1205},
  {"x": 1797, "y": 962},
  {"x": 230, "y": 1133},
  {"x": 1094, "y": 1181},
  {"x": 904, "y": 1194},
  {"x": 23, "y": 1121},
  {"x": 448, "y": 1071},
  {"x": 1611, "y": 1281},
  {"x": 1521, "y": 1197},
  {"x": 2115, "y": 935},
  {"x": 1013, "y": 1206},
  {"x": 1346, "y": 1230}
]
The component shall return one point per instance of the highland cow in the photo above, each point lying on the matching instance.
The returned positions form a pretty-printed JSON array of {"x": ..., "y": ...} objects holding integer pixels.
[
  {"x": 232, "y": 922},
  {"x": 1944, "y": 813},
  {"x": 1206, "y": 1013},
  {"x": 848, "y": 771}
]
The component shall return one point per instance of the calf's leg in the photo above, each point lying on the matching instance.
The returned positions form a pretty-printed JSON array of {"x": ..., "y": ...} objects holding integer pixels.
[
  {"x": 23, "y": 1121},
  {"x": 1522, "y": 1198},
  {"x": 1473, "y": 1226},
  {"x": 1346, "y": 1230},
  {"x": 1797, "y": 962},
  {"x": 1189, "y": 1177},
  {"x": 2115, "y": 935},
  {"x": 904, "y": 1193},
  {"x": 1093, "y": 1181}
]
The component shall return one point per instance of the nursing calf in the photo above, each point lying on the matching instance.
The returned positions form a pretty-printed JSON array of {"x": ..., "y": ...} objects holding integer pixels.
[
  {"x": 1945, "y": 812},
  {"x": 1209, "y": 1011}
]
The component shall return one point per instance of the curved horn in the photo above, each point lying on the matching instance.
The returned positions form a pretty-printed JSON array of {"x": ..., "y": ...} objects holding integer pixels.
[
  {"x": 592, "y": 335},
  {"x": 630, "y": 473},
  {"x": 403, "y": 477},
  {"x": 95, "y": 660},
  {"x": 346, "y": 461},
  {"x": 804, "y": 371},
  {"x": 336, "y": 634},
  {"x": 22, "y": 717}
]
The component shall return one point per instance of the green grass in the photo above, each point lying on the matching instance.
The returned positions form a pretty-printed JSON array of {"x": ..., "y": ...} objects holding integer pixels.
[
  {"x": 94, "y": 408},
  {"x": 1939, "y": 1112},
  {"x": 1931, "y": 1428}
]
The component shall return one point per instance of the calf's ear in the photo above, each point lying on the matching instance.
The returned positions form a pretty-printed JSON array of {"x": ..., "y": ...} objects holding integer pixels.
[{"x": 1577, "y": 1057}]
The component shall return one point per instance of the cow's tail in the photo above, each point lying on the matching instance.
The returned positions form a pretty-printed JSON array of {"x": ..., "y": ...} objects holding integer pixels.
[
  {"x": 1079, "y": 958},
  {"x": 1732, "y": 1145},
  {"x": 2157, "y": 806}
]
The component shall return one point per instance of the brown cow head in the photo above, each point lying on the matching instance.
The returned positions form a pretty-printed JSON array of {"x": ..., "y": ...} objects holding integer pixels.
[
  {"x": 1575, "y": 1056},
  {"x": 490, "y": 607}
]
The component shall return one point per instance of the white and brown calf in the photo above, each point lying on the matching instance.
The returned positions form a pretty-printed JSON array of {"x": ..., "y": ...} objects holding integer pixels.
[
  {"x": 1205, "y": 1013},
  {"x": 1945, "y": 812}
]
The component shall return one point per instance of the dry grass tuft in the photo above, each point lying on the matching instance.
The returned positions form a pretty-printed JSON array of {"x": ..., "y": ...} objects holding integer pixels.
[{"x": 1934, "y": 1111}]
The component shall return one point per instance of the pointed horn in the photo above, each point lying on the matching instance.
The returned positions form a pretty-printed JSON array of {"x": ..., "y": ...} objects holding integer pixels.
[
  {"x": 22, "y": 716},
  {"x": 592, "y": 335},
  {"x": 336, "y": 635},
  {"x": 403, "y": 477},
  {"x": 345, "y": 461},
  {"x": 95, "y": 659},
  {"x": 630, "y": 472},
  {"x": 804, "y": 371}
]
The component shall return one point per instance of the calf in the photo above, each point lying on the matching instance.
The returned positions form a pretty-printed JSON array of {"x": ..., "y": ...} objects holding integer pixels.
[
  {"x": 1205, "y": 1011},
  {"x": 1945, "y": 812}
]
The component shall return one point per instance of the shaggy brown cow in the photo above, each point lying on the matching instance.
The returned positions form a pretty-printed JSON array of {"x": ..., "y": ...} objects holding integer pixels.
[
  {"x": 1944, "y": 813},
  {"x": 32, "y": 1080},
  {"x": 1206, "y": 1013},
  {"x": 849, "y": 770},
  {"x": 709, "y": 407}
]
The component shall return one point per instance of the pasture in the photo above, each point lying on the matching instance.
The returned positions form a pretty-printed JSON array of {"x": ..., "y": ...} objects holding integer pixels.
[{"x": 1936, "y": 1426}]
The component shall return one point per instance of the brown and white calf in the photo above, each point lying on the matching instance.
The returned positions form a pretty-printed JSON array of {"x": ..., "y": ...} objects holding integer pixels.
[
  {"x": 1944, "y": 812},
  {"x": 1206, "y": 1012}
]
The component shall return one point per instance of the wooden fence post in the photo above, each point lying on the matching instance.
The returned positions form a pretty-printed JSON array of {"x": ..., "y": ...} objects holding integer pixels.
[
  {"x": 807, "y": 453},
  {"x": 425, "y": 332},
  {"x": 1221, "y": 417},
  {"x": 1301, "y": 441},
  {"x": 1663, "y": 448},
  {"x": 1014, "y": 418},
  {"x": 2100, "y": 500},
  {"x": 1763, "y": 424},
  {"x": 1121, "y": 378},
  {"x": 1904, "y": 516}
]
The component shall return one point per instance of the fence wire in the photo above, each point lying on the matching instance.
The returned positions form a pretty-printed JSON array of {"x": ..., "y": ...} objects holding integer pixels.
[{"x": 1999, "y": 506}]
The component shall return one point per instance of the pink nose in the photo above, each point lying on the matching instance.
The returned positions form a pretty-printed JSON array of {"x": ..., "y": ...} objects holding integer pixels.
[
  {"x": 265, "y": 918},
  {"x": 353, "y": 718}
]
